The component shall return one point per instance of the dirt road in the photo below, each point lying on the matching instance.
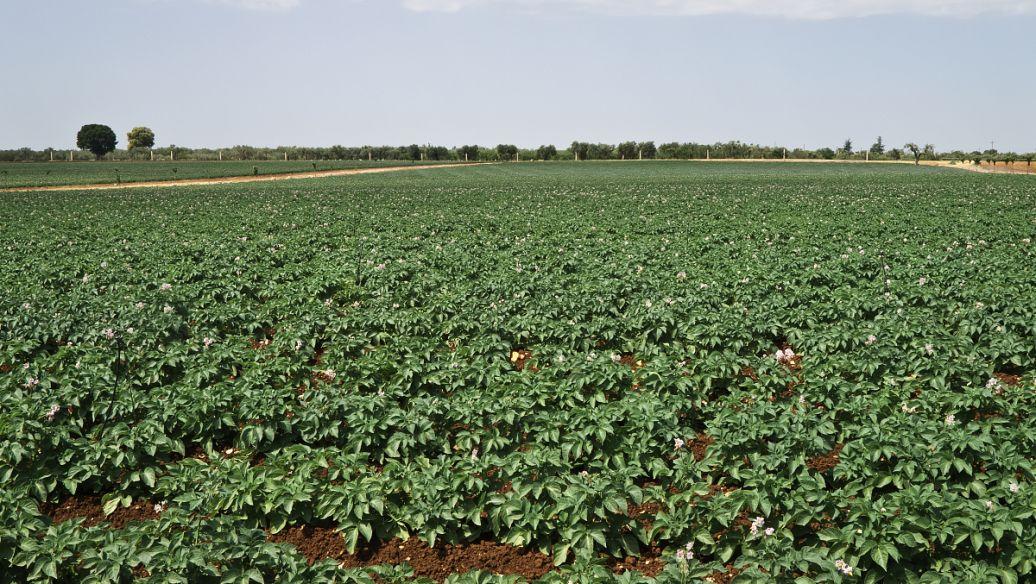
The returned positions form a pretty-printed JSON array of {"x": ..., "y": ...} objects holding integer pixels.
[{"x": 234, "y": 179}]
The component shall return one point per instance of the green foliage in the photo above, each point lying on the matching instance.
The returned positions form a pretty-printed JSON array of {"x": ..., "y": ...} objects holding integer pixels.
[
  {"x": 97, "y": 138},
  {"x": 342, "y": 353},
  {"x": 141, "y": 137}
]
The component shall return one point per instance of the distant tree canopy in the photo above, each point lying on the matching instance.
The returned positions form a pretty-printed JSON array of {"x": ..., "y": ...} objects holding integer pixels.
[
  {"x": 97, "y": 138},
  {"x": 507, "y": 151},
  {"x": 847, "y": 148},
  {"x": 580, "y": 150},
  {"x": 627, "y": 150},
  {"x": 915, "y": 150},
  {"x": 141, "y": 137},
  {"x": 878, "y": 148}
]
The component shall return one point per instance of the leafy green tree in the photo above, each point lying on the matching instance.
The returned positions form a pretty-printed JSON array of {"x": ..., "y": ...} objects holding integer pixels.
[
  {"x": 469, "y": 153},
  {"x": 826, "y": 153},
  {"x": 600, "y": 151},
  {"x": 915, "y": 150},
  {"x": 507, "y": 151},
  {"x": 878, "y": 148},
  {"x": 627, "y": 150},
  {"x": 141, "y": 137},
  {"x": 847, "y": 148},
  {"x": 581, "y": 150},
  {"x": 547, "y": 152},
  {"x": 1028, "y": 158},
  {"x": 929, "y": 152},
  {"x": 648, "y": 150},
  {"x": 896, "y": 154},
  {"x": 97, "y": 138}
]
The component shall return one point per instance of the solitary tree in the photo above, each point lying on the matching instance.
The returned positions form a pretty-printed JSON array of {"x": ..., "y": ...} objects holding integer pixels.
[
  {"x": 580, "y": 150},
  {"x": 97, "y": 138},
  {"x": 648, "y": 150},
  {"x": 929, "y": 152},
  {"x": 915, "y": 150},
  {"x": 878, "y": 148},
  {"x": 413, "y": 152},
  {"x": 848, "y": 148},
  {"x": 1028, "y": 159},
  {"x": 141, "y": 137}
]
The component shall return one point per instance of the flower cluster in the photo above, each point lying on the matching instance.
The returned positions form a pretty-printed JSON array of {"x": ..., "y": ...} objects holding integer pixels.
[
  {"x": 166, "y": 287},
  {"x": 686, "y": 553},
  {"x": 757, "y": 524},
  {"x": 784, "y": 356},
  {"x": 871, "y": 339},
  {"x": 678, "y": 443},
  {"x": 843, "y": 567},
  {"x": 53, "y": 412},
  {"x": 208, "y": 342},
  {"x": 951, "y": 420}
]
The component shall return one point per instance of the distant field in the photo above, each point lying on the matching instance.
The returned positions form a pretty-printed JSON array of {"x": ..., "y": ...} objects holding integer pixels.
[
  {"x": 592, "y": 373},
  {"x": 37, "y": 174}
]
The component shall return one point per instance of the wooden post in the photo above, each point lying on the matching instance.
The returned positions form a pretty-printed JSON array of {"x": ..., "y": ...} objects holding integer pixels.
[
  {"x": 152, "y": 155},
  {"x": 370, "y": 155},
  {"x": 868, "y": 156},
  {"x": 465, "y": 157},
  {"x": 640, "y": 155},
  {"x": 52, "y": 156},
  {"x": 785, "y": 153},
  {"x": 516, "y": 157},
  {"x": 171, "y": 155},
  {"x": 221, "y": 156},
  {"x": 708, "y": 154},
  {"x": 70, "y": 157}
]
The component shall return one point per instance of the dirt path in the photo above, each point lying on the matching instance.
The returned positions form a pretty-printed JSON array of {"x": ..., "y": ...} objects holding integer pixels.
[{"x": 236, "y": 179}]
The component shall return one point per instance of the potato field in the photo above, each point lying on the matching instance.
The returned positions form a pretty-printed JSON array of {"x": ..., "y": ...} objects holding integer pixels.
[{"x": 614, "y": 372}]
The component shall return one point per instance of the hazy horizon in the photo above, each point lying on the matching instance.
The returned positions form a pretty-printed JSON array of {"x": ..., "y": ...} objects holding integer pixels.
[{"x": 796, "y": 73}]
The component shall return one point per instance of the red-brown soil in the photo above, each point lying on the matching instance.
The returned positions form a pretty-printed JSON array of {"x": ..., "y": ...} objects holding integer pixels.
[
  {"x": 724, "y": 577},
  {"x": 520, "y": 357},
  {"x": 89, "y": 508},
  {"x": 700, "y": 446},
  {"x": 650, "y": 563},
  {"x": 317, "y": 543},
  {"x": 1008, "y": 379},
  {"x": 828, "y": 461}
]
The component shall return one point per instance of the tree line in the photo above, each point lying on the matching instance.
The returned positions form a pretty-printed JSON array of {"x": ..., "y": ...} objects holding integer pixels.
[{"x": 100, "y": 141}]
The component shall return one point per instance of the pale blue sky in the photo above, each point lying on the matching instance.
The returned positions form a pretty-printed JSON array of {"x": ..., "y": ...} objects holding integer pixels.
[{"x": 322, "y": 72}]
